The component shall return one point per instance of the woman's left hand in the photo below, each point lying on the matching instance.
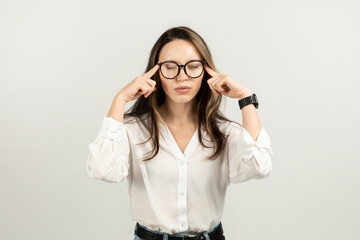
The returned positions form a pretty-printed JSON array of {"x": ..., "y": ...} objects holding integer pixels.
[{"x": 222, "y": 83}]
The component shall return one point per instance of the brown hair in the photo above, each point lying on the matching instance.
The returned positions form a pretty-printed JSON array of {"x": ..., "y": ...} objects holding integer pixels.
[{"x": 207, "y": 104}]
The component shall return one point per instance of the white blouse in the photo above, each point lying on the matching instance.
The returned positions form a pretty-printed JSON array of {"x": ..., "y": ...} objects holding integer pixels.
[{"x": 176, "y": 192}]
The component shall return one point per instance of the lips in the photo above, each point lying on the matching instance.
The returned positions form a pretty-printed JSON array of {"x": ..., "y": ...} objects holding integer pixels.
[{"x": 183, "y": 87}]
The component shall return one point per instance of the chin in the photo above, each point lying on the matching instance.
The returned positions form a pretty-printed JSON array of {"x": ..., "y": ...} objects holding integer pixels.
[{"x": 183, "y": 99}]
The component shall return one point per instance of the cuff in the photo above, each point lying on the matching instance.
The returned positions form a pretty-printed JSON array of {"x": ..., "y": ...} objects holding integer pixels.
[
  {"x": 112, "y": 129},
  {"x": 247, "y": 147}
]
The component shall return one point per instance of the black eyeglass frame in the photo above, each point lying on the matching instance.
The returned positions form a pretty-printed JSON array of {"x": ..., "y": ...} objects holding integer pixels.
[{"x": 180, "y": 66}]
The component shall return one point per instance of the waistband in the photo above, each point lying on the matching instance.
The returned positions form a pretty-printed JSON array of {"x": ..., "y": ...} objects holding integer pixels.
[{"x": 212, "y": 233}]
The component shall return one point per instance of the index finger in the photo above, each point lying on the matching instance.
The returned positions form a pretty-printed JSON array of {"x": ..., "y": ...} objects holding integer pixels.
[
  {"x": 151, "y": 71},
  {"x": 210, "y": 71}
]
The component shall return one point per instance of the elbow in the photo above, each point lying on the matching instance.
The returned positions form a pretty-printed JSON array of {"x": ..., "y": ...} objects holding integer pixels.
[
  {"x": 265, "y": 168},
  {"x": 113, "y": 174},
  {"x": 106, "y": 177},
  {"x": 258, "y": 166}
]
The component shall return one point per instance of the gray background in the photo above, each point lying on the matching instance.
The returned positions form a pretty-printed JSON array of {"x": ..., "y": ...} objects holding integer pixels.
[{"x": 62, "y": 62}]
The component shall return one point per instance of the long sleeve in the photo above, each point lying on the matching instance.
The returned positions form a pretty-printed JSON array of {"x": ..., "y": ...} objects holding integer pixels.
[
  {"x": 109, "y": 155},
  {"x": 247, "y": 158}
]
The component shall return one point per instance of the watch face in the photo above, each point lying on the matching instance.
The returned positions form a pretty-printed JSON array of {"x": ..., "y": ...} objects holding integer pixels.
[{"x": 256, "y": 103}]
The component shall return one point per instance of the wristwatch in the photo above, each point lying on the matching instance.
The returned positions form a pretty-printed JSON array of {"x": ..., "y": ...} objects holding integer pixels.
[{"x": 248, "y": 100}]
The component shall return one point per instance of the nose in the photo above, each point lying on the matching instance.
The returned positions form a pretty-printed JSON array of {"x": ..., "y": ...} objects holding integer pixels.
[{"x": 182, "y": 75}]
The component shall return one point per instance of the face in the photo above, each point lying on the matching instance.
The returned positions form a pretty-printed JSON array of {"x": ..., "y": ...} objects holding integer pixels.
[{"x": 180, "y": 51}]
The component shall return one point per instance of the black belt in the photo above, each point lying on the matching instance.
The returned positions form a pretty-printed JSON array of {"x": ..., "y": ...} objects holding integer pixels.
[{"x": 216, "y": 234}]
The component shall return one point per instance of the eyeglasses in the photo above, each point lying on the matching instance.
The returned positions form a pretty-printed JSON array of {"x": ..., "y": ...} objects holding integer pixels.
[{"x": 170, "y": 69}]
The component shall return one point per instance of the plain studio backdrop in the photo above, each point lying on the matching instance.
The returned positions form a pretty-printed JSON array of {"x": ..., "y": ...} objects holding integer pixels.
[{"x": 62, "y": 62}]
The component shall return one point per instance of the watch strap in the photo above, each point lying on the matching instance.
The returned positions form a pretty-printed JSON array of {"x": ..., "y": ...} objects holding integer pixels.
[{"x": 249, "y": 100}]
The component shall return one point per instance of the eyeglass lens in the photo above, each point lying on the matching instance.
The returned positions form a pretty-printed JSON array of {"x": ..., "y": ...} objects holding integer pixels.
[{"x": 193, "y": 69}]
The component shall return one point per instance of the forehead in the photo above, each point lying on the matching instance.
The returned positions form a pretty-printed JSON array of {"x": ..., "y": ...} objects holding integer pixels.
[{"x": 180, "y": 51}]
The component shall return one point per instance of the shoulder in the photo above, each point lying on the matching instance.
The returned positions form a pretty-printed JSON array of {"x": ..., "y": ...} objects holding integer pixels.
[{"x": 136, "y": 123}]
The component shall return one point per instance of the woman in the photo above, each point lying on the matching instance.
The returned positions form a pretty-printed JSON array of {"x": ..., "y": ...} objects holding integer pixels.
[{"x": 177, "y": 181}]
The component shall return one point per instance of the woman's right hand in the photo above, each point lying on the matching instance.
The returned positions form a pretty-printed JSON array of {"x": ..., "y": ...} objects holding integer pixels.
[{"x": 141, "y": 85}]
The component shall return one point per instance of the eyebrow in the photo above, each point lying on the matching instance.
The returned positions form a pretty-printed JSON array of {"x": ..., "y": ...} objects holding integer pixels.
[{"x": 178, "y": 62}]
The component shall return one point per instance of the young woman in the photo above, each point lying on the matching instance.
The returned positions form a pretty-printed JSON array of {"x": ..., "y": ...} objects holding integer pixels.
[{"x": 175, "y": 148}]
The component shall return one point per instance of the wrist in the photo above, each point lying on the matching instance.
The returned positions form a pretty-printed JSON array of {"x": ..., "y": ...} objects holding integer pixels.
[
  {"x": 120, "y": 99},
  {"x": 244, "y": 95}
]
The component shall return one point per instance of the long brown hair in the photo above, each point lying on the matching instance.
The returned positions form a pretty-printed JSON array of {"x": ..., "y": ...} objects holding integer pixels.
[{"x": 207, "y": 104}]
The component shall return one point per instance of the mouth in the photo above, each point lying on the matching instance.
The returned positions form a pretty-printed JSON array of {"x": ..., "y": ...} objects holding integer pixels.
[{"x": 184, "y": 87}]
